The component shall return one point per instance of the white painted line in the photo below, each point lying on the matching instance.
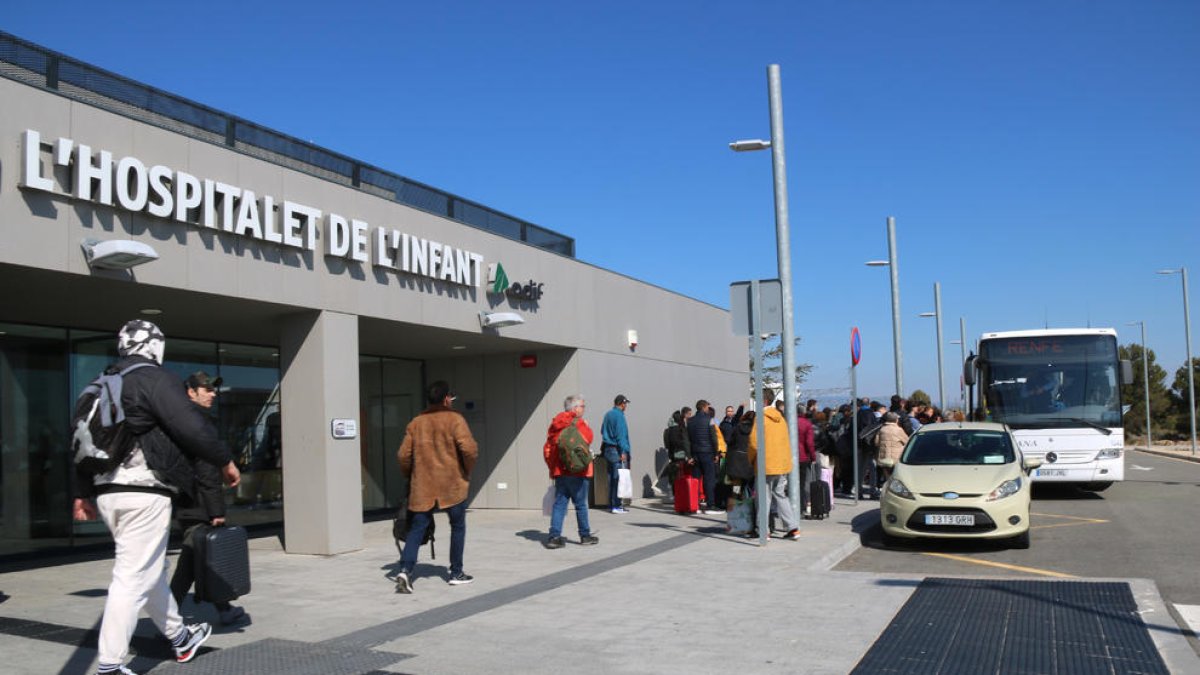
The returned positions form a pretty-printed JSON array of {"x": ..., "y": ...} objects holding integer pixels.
[
  {"x": 1135, "y": 467},
  {"x": 1190, "y": 615}
]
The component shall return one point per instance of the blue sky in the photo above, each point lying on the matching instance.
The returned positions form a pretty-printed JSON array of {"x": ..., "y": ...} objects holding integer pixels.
[{"x": 1042, "y": 159}]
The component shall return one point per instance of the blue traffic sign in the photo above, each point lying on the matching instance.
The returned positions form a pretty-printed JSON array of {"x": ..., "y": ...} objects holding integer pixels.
[{"x": 855, "y": 346}]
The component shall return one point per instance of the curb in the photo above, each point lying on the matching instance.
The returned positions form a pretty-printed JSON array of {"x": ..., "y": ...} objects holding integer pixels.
[{"x": 1164, "y": 453}]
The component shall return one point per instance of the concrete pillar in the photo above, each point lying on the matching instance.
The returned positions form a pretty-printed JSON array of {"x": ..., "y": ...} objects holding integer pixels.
[{"x": 322, "y": 491}]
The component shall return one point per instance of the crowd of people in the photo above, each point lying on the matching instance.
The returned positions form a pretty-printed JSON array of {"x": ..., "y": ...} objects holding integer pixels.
[{"x": 172, "y": 463}]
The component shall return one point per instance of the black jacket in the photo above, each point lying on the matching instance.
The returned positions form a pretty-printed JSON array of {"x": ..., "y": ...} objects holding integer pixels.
[
  {"x": 675, "y": 440},
  {"x": 209, "y": 499},
  {"x": 728, "y": 426},
  {"x": 171, "y": 430},
  {"x": 737, "y": 458},
  {"x": 701, "y": 433}
]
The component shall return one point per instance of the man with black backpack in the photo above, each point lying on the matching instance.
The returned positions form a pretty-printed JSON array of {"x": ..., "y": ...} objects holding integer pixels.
[
  {"x": 437, "y": 455},
  {"x": 133, "y": 464},
  {"x": 568, "y": 456}
]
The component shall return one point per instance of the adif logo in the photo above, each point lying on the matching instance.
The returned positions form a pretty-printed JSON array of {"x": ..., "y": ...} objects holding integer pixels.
[
  {"x": 497, "y": 278},
  {"x": 498, "y": 283}
]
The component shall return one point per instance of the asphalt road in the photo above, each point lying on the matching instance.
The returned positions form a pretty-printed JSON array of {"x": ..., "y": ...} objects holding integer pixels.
[{"x": 1145, "y": 527}]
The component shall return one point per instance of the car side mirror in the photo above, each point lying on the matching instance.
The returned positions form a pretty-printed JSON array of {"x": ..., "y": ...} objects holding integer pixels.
[
  {"x": 1031, "y": 463},
  {"x": 886, "y": 462}
]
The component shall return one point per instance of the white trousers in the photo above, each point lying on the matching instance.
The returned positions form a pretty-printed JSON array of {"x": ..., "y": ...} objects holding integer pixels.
[{"x": 140, "y": 524}]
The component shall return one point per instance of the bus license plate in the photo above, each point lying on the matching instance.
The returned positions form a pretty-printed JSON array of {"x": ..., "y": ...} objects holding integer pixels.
[
  {"x": 961, "y": 519},
  {"x": 1060, "y": 473}
]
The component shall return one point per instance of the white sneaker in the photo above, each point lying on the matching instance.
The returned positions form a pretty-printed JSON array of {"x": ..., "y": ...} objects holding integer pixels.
[
  {"x": 403, "y": 585},
  {"x": 121, "y": 670},
  {"x": 197, "y": 634}
]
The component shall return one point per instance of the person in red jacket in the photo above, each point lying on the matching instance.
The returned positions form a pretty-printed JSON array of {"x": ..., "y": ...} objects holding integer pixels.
[
  {"x": 807, "y": 454},
  {"x": 568, "y": 486}
]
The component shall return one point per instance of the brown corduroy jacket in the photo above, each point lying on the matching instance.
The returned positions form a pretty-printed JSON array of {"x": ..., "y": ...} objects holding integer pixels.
[{"x": 437, "y": 455}]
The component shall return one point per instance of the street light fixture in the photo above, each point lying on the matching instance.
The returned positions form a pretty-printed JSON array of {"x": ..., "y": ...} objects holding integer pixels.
[
  {"x": 784, "y": 252},
  {"x": 1187, "y": 331},
  {"x": 749, "y": 145},
  {"x": 937, "y": 314},
  {"x": 895, "y": 278},
  {"x": 1145, "y": 376}
]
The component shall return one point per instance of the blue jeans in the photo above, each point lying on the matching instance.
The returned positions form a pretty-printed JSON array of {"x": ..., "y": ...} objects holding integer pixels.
[
  {"x": 706, "y": 471},
  {"x": 458, "y": 537},
  {"x": 612, "y": 456},
  {"x": 575, "y": 489}
]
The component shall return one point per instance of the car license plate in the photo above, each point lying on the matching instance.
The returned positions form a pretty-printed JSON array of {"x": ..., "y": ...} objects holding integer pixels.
[
  {"x": 961, "y": 519},
  {"x": 1060, "y": 473}
]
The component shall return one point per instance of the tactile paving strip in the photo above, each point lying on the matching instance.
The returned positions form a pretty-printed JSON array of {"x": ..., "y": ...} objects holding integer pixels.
[{"x": 1014, "y": 627}]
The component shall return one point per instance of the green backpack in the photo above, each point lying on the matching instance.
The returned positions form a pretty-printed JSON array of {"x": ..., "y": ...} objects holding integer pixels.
[{"x": 573, "y": 452}]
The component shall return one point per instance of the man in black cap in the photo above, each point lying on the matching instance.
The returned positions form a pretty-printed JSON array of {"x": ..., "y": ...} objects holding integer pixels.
[
  {"x": 614, "y": 444},
  {"x": 206, "y": 507}
]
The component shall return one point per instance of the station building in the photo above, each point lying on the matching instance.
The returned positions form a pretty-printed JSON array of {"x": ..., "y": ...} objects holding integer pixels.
[{"x": 325, "y": 292}]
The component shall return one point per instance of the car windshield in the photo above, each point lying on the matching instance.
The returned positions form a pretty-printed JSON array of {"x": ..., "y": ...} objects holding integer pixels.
[{"x": 959, "y": 447}]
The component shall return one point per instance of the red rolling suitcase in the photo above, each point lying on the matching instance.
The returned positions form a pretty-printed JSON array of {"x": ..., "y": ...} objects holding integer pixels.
[{"x": 687, "y": 494}]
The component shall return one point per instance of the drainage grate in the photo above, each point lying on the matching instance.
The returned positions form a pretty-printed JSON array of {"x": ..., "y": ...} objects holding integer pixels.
[{"x": 965, "y": 626}]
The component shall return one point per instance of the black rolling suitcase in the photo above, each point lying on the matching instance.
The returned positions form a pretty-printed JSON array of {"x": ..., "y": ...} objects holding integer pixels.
[
  {"x": 222, "y": 563},
  {"x": 818, "y": 496}
]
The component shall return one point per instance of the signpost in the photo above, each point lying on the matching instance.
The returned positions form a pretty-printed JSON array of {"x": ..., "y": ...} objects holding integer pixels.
[
  {"x": 754, "y": 311},
  {"x": 855, "y": 357}
]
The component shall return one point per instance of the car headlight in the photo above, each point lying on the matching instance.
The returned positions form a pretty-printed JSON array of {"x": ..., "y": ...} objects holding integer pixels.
[
  {"x": 1007, "y": 489},
  {"x": 899, "y": 489},
  {"x": 1110, "y": 453}
]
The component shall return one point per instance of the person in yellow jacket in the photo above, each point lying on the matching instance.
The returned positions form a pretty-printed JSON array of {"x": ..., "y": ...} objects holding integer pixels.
[{"x": 777, "y": 462}]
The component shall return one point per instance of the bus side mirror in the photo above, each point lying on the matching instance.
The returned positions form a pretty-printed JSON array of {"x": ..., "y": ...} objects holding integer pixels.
[
  {"x": 969, "y": 369},
  {"x": 1126, "y": 371}
]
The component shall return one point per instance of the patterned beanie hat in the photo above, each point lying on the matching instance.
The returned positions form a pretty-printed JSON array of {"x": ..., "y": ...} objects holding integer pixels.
[{"x": 142, "y": 338}]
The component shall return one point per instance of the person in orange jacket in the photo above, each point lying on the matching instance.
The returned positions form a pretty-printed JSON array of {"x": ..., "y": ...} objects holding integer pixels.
[
  {"x": 568, "y": 486},
  {"x": 777, "y": 458}
]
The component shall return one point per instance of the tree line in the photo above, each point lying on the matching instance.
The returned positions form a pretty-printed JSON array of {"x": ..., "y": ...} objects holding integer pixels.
[{"x": 1169, "y": 416}]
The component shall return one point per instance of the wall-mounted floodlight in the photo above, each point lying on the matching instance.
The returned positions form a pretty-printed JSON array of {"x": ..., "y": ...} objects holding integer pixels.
[
  {"x": 117, "y": 254},
  {"x": 499, "y": 319},
  {"x": 749, "y": 145}
]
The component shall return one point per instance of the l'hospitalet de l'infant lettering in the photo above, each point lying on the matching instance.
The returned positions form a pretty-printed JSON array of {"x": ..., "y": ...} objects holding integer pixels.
[{"x": 162, "y": 192}]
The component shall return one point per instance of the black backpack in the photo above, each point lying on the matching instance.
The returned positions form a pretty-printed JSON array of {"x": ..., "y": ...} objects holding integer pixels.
[{"x": 99, "y": 439}]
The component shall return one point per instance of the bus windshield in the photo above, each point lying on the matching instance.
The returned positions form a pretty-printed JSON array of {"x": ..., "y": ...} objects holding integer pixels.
[{"x": 1051, "y": 381}]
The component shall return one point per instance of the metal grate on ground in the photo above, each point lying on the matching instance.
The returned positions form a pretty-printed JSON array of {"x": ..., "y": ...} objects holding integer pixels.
[{"x": 968, "y": 626}]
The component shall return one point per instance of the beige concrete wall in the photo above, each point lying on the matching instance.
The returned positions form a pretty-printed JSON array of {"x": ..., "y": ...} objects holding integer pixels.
[{"x": 583, "y": 307}]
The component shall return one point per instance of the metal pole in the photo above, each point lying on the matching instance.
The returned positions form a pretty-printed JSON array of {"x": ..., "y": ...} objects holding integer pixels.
[
  {"x": 937, "y": 313},
  {"x": 1191, "y": 374},
  {"x": 784, "y": 246},
  {"x": 764, "y": 505},
  {"x": 1146, "y": 383},
  {"x": 854, "y": 429},
  {"x": 962, "y": 348},
  {"x": 895, "y": 273}
]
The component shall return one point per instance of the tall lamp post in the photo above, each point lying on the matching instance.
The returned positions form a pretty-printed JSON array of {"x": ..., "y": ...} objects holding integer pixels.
[
  {"x": 1187, "y": 332},
  {"x": 937, "y": 315},
  {"x": 1145, "y": 376},
  {"x": 895, "y": 275},
  {"x": 784, "y": 256}
]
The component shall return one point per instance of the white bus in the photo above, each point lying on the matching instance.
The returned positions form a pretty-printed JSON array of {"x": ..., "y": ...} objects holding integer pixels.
[{"x": 1059, "y": 391}]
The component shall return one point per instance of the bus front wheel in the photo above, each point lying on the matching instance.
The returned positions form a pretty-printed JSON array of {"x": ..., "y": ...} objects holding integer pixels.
[{"x": 1099, "y": 486}]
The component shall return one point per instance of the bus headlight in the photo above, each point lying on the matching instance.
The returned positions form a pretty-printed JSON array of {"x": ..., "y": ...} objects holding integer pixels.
[
  {"x": 1110, "y": 453},
  {"x": 1007, "y": 489}
]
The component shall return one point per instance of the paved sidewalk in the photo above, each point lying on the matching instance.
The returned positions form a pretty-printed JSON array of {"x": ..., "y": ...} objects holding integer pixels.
[{"x": 661, "y": 593}]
